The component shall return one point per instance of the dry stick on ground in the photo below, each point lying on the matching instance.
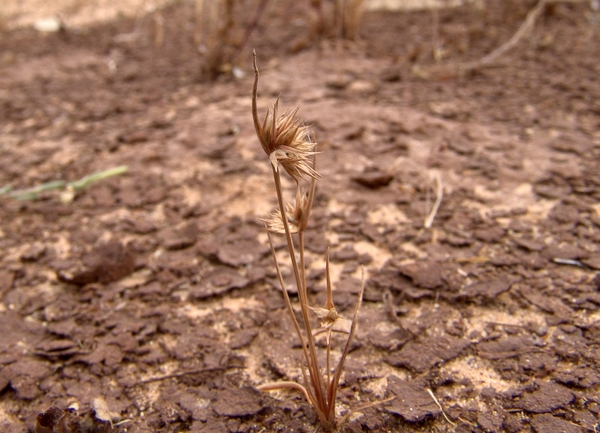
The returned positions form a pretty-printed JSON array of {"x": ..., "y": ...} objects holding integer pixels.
[
  {"x": 181, "y": 374},
  {"x": 430, "y": 177},
  {"x": 527, "y": 26},
  {"x": 488, "y": 59},
  {"x": 438, "y": 200},
  {"x": 288, "y": 145},
  {"x": 440, "y": 406}
]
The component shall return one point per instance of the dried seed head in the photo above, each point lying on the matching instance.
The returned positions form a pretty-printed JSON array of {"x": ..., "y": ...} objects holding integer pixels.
[
  {"x": 327, "y": 316},
  {"x": 297, "y": 216},
  {"x": 284, "y": 139},
  {"x": 274, "y": 221}
]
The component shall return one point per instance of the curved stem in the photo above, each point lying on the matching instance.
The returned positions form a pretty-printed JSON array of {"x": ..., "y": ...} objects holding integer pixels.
[{"x": 284, "y": 384}]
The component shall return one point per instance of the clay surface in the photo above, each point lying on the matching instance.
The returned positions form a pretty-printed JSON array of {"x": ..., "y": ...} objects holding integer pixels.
[{"x": 150, "y": 297}]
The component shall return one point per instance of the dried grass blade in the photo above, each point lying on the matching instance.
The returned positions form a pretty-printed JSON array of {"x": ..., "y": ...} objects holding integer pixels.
[
  {"x": 285, "y": 384},
  {"x": 333, "y": 385}
]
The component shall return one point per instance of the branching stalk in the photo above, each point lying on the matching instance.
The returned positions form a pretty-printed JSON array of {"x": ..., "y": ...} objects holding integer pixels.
[
  {"x": 288, "y": 144},
  {"x": 313, "y": 366},
  {"x": 307, "y": 392}
]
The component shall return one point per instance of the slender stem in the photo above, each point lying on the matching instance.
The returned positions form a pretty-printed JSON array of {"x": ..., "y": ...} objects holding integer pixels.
[
  {"x": 180, "y": 374},
  {"x": 438, "y": 201},
  {"x": 440, "y": 406},
  {"x": 302, "y": 265},
  {"x": 33, "y": 193},
  {"x": 313, "y": 364},
  {"x": 333, "y": 385},
  {"x": 5, "y": 189},
  {"x": 329, "y": 305},
  {"x": 311, "y": 194},
  {"x": 303, "y": 295},
  {"x": 285, "y": 384},
  {"x": 329, "y": 358},
  {"x": 307, "y": 392},
  {"x": 84, "y": 182},
  {"x": 255, "y": 97},
  {"x": 288, "y": 234},
  {"x": 329, "y": 301},
  {"x": 362, "y": 407}
]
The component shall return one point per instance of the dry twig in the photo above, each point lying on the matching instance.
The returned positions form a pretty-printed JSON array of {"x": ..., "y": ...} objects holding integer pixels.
[
  {"x": 430, "y": 177},
  {"x": 440, "y": 406},
  {"x": 489, "y": 59}
]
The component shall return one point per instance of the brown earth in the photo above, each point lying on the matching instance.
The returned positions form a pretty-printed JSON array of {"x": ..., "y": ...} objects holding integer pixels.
[{"x": 151, "y": 296}]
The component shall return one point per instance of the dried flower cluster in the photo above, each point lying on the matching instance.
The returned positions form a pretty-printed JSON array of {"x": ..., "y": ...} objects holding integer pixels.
[{"x": 286, "y": 141}]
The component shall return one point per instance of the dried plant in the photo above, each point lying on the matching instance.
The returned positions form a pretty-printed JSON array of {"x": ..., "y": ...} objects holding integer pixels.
[
  {"x": 462, "y": 68},
  {"x": 341, "y": 20},
  {"x": 288, "y": 144},
  {"x": 350, "y": 13},
  {"x": 220, "y": 34},
  {"x": 216, "y": 41}
]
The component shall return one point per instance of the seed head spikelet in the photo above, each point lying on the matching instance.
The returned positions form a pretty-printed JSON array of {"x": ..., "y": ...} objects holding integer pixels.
[
  {"x": 284, "y": 139},
  {"x": 296, "y": 214},
  {"x": 328, "y": 315},
  {"x": 274, "y": 222}
]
